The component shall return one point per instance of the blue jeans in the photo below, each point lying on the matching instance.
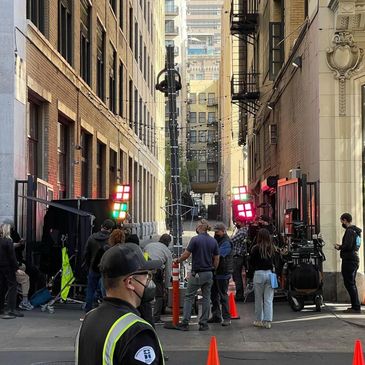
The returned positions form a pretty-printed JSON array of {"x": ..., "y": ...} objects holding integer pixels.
[
  {"x": 92, "y": 285},
  {"x": 264, "y": 295},
  {"x": 204, "y": 281}
]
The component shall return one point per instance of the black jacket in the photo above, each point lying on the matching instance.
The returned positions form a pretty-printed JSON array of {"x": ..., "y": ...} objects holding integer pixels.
[
  {"x": 348, "y": 251},
  {"x": 225, "y": 265},
  {"x": 96, "y": 326},
  {"x": 94, "y": 249},
  {"x": 7, "y": 254}
]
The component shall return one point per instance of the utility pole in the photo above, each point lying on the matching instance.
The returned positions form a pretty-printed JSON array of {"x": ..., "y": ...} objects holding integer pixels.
[{"x": 169, "y": 86}]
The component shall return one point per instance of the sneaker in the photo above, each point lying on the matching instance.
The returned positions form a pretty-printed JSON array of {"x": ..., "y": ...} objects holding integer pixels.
[
  {"x": 182, "y": 326},
  {"x": 26, "y": 306},
  {"x": 226, "y": 322},
  {"x": 214, "y": 320},
  {"x": 352, "y": 311},
  {"x": 267, "y": 324},
  {"x": 203, "y": 327},
  {"x": 8, "y": 316},
  {"x": 16, "y": 313},
  {"x": 258, "y": 324}
]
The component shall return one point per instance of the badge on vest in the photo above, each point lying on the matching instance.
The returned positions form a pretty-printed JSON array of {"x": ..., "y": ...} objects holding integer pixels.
[{"x": 146, "y": 355}]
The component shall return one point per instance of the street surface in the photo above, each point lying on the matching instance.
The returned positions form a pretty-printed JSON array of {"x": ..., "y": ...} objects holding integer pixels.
[{"x": 300, "y": 338}]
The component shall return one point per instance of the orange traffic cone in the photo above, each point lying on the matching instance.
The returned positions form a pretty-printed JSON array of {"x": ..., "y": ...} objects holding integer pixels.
[
  {"x": 213, "y": 358},
  {"x": 232, "y": 307},
  {"x": 358, "y": 354}
]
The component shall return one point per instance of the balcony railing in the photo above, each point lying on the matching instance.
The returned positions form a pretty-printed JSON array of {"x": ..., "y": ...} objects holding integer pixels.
[
  {"x": 244, "y": 16},
  {"x": 245, "y": 87},
  {"x": 171, "y": 9}
]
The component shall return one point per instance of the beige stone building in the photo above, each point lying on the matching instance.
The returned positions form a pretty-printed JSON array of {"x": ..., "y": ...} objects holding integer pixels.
[
  {"x": 84, "y": 105},
  {"x": 303, "y": 85}
]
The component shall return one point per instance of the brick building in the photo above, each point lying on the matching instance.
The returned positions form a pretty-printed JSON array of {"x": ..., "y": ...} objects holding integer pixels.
[
  {"x": 79, "y": 110},
  {"x": 301, "y": 83}
]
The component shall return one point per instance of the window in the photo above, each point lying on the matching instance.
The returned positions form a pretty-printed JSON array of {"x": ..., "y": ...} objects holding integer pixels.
[
  {"x": 100, "y": 170},
  {"x": 192, "y": 98},
  {"x": 193, "y": 155},
  {"x": 212, "y": 175},
  {"x": 202, "y": 117},
  {"x": 100, "y": 62},
  {"x": 211, "y": 99},
  {"x": 121, "y": 89},
  {"x": 145, "y": 124},
  {"x": 140, "y": 61},
  {"x": 112, "y": 170},
  {"x": 192, "y": 136},
  {"x": 144, "y": 62},
  {"x": 202, "y": 175},
  {"x": 169, "y": 26},
  {"x": 148, "y": 17},
  {"x": 121, "y": 14},
  {"x": 113, "y": 4},
  {"x": 34, "y": 136},
  {"x": 202, "y": 136},
  {"x": 136, "y": 41},
  {"x": 130, "y": 27},
  {"x": 192, "y": 117},
  {"x": 276, "y": 48},
  {"x": 202, "y": 156},
  {"x": 130, "y": 103},
  {"x": 211, "y": 117},
  {"x": 211, "y": 136},
  {"x": 35, "y": 13},
  {"x": 86, "y": 153},
  {"x": 85, "y": 40},
  {"x": 63, "y": 159},
  {"x": 135, "y": 102},
  {"x": 65, "y": 29},
  {"x": 112, "y": 79},
  {"x": 202, "y": 98},
  {"x": 140, "y": 119}
]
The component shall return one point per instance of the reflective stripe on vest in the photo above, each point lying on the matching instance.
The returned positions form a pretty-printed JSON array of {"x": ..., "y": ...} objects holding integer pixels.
[
  {"x": 116, "y": 332},
  {"x": 146, "y": 256}
]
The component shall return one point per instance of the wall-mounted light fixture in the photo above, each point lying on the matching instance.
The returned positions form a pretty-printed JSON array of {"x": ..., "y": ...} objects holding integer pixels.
[
  {"x": 297, "y": 62},
  {"x": 270, "y": 105}
]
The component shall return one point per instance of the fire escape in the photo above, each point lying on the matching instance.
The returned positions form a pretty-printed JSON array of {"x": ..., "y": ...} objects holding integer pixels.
[{"x": 245, "y": 93}]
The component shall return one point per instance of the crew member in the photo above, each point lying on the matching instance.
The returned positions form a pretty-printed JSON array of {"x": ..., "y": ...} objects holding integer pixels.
[
  {"x": 205, "y": 259},
  {"x": 350, "y": 260},
  {"x": 162, "y": 277},
  {"x": 239, "y": 256},
  {"x": 114, "y": 333}
]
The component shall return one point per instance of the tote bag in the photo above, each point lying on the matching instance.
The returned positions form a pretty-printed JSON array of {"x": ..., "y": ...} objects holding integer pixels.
[{"x": 274, "y": 280}]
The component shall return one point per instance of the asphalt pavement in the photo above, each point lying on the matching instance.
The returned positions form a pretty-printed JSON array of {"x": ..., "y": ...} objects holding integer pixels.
[{"x": 295, "y": 337}]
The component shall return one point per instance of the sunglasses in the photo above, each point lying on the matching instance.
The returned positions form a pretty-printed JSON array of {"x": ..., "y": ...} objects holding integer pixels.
[{"x": 148, "y": 273}]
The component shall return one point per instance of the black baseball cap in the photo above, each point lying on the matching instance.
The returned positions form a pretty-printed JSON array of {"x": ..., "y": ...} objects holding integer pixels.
[{"x": 122, "y": 260}]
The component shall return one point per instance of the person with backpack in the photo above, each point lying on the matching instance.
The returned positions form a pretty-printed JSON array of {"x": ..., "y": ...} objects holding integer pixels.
[{"x": 349, "y": 248}]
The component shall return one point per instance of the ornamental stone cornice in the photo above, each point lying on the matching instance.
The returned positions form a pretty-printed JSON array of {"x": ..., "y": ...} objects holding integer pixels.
[{"x": 349, "y": 14}]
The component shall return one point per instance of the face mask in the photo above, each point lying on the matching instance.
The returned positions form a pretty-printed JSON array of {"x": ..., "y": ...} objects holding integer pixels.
[
  {"x": 344, "y": 225},
  {"x": 148, "y": 293},
  {"x": 216, "y": 236}
]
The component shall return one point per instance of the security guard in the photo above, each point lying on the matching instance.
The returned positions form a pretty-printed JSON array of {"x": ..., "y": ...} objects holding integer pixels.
[{"x": 114, "y": 333}]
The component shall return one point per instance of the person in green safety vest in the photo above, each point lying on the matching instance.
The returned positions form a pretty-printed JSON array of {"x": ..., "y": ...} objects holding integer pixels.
[{"x": 114, "y": 333}]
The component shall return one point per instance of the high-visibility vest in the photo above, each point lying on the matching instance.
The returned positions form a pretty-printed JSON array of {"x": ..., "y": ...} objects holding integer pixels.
[{"x": 116, "y": 331}]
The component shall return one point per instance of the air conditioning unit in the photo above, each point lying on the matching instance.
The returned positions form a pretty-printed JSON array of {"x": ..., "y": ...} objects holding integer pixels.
[{"x": 295, "y": 174}]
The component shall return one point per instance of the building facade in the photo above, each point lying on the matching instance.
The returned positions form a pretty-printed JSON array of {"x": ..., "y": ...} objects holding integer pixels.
[
  {"x": 233, "y": 161},
  {"x": 303, "y": 85},
  {"x": 79, "y": 108},
  {"x": 203, "y": 135}
]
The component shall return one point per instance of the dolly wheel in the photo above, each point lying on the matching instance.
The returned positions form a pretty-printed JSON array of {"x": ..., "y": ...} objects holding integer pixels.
[
  {"x": 296, "y": 304},
  {"x": 318, "y": 301}
]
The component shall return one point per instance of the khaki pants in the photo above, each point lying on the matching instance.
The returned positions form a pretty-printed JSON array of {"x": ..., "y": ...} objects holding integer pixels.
[{"x": 23, "y": 279}]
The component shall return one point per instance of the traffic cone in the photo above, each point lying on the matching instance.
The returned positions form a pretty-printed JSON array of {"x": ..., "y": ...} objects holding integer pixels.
[
  {"x": 213, "y": 357},
  {"x": 358, "y": 354},
  {"x": 232, "y": 307}
]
